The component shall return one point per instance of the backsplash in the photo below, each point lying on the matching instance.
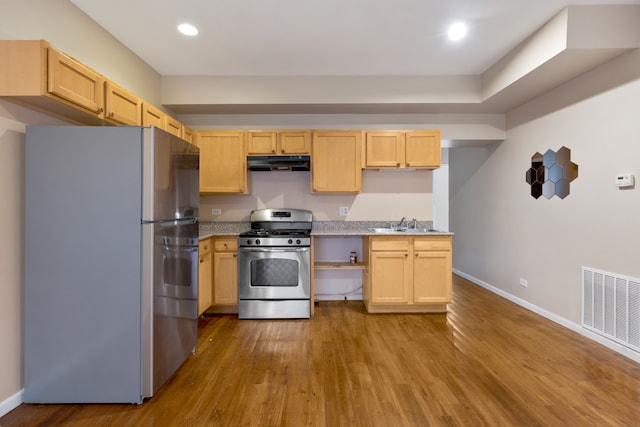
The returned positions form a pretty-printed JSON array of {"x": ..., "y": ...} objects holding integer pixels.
[{"x": 385, "y": 196}]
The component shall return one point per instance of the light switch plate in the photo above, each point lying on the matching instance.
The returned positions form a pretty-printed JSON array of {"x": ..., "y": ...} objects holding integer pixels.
[{"x": 343, "y": 210}]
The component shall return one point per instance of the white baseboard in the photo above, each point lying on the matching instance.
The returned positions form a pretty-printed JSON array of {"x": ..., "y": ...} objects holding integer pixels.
[
  {"x": 11, "y": 403},
  {"x": 627, "y": 352}
]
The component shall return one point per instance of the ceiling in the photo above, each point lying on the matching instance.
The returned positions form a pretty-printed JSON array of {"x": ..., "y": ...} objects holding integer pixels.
[{"x": 323, "y": 37}]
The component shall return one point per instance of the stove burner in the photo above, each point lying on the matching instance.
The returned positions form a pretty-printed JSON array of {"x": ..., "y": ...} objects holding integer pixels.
[
  {"x": 278, "y": 228},
  {"x": 275, "y": 233}
]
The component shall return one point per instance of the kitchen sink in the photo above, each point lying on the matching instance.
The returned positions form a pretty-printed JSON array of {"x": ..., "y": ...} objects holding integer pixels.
[{"x": 403, "y": 230}]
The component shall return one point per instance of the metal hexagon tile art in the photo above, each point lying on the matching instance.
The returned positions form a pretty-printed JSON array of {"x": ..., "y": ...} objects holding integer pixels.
[{"x": 551, "y": 173}]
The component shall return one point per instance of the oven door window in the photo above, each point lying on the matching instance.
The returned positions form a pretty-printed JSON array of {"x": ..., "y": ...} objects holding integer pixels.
[{"x": 274, "y": 272}]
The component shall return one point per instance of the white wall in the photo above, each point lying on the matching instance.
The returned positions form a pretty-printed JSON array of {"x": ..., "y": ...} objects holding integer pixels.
[
  {"x": 12, "y": 130},
  {"x": 385, "y": 196},
  {"x": 503, "y": 234}
]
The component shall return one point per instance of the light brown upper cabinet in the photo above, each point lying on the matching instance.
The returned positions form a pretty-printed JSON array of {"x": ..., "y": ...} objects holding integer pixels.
[
  {"x": 34, "y": 73},
  {"x": 336, "y": 165},
  {"x": 279, "y": 142},
  {"x": 73, "y": 82},
  {"x": 173, "y": 126},
  {"x": 402, "y": 149},
  {"x": 122, "y": 106},
  {"x": 152, "y": 116},
  {"x": 223, "y": 164},
  {"x": 187, "y": 133}
]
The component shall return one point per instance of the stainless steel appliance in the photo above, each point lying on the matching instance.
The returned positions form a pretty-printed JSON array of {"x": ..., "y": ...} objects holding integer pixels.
[
  {"x": 111, "y": 245},
  {"x": 274, "y": 265},
  {"x": 278, "y": 163}
]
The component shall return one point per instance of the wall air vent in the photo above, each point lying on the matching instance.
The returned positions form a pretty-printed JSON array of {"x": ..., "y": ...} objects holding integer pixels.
[{"x": 611, "y": 306}]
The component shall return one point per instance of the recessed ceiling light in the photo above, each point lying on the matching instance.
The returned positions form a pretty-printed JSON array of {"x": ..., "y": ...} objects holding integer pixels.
[
  {"x": 457, "y": 31},
  {"x": 188, "y": 29}
]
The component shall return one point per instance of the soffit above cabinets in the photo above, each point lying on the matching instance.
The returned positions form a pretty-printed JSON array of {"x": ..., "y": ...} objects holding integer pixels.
[{"x": 398, "y": 53}]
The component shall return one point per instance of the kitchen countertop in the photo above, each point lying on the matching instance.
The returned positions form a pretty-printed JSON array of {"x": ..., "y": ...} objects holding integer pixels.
[{"x": 320, "y": 228}]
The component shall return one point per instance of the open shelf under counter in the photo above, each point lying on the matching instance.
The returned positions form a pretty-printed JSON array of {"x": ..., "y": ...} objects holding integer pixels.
[{"x": 337, "y": 265}]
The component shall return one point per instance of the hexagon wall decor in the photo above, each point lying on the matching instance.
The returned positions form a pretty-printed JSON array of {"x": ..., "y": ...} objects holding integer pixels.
[{"x": 551, "y": 173}]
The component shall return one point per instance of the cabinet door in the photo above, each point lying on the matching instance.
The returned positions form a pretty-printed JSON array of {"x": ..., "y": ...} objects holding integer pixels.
[
  {"x": 384, "y": 149},
  {"x": 225, "y": 289},
  {"x": 204, "y": 282},
  {"x": 223, "y": 166},
  {"x": 336, "y": 162},
  {"x": 173, "y": 126},
  {"x": 187, "y": 134},
  {"x": 152, "y": 116},
  {"x": 205, "y": 275},
  {"x": 422, "y": 149},
  {"x": 390, "y": 278},
  {"x": 294, "y": 142},
  {"x": 122, "y": 106},
  {"x": 259, "y": 142},
  {"x": 432, "y": 277},
  {"x": 75, "y": 83}
]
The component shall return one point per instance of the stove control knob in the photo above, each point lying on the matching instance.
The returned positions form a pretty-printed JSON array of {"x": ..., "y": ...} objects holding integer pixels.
[
  {"x": 298, "y": 241},
  {"x": 249, "y": 241},
  {"x": 257, "y": 241},
  {"x": 290, "y": 241}
]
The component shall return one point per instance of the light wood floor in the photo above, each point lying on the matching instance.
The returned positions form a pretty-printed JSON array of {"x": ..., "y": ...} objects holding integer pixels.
[{"x": 487, "y": 362}]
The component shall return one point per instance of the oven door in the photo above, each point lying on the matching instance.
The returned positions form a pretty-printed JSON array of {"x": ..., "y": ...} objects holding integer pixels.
[{"x": 274, "y": 273}]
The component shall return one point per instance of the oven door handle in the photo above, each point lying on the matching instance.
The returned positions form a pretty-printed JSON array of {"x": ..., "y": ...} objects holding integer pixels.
[{"x": 305, "y": 249}]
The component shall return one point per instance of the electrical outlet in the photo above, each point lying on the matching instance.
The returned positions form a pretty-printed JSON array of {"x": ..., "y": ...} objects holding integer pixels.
[
  {"x": 216, "y": 212},
  {"x": 343, "y": 210},
  {"x": 523, "y": 282}
]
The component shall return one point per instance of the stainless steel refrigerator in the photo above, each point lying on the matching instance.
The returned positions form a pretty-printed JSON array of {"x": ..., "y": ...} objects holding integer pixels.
[{"x": 111, "y": 259}]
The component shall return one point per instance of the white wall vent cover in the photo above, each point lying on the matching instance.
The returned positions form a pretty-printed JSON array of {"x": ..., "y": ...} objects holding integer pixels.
[{"x": 611, "y": 306}]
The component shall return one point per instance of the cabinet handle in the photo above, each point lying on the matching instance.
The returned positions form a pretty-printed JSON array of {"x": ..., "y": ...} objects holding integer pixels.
[
  {"x": 273, "y": 151},
  {"x": 235, "y": 255},
  {"x": 201, "y": 260},
  {"x": 408, "y": 164},
  {"x": 406, "y": 255},
  {"x": 398, "y": 164},
  {"x": 101, "y": 110},
  {"x": 282, "y": 151},
  {"x": 111, "y": 114}
]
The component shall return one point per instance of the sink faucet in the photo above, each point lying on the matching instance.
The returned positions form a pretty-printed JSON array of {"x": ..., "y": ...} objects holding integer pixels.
[
  {"x": 400, "y": 223},
  {"x": 414, "y": 223}
]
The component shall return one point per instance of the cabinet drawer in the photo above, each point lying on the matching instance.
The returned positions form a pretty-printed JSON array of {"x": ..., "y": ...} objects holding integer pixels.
[
  {"x": 204, "y": 247},
  {"x": 440, "y": 243},
  {"x": 389, "y": 244},
  {"x": 226, "y": 245}
]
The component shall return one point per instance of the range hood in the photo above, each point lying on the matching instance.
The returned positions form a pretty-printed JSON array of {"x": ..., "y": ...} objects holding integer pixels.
[{"x": 278, "y": 163}]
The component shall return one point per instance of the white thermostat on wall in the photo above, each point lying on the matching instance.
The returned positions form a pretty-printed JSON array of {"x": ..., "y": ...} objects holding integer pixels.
[{"x": 625, "y": 180}]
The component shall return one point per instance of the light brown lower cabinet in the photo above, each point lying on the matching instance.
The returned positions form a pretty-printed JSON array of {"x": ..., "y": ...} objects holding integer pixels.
[
  {"x": 407, "y": 274},
  {"x": 205, "y": 270},
  {"x": 225, "y": 275}
]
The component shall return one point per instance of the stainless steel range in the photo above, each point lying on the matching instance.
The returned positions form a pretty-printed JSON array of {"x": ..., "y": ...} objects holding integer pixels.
[{"x": 274, "y": 261}]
